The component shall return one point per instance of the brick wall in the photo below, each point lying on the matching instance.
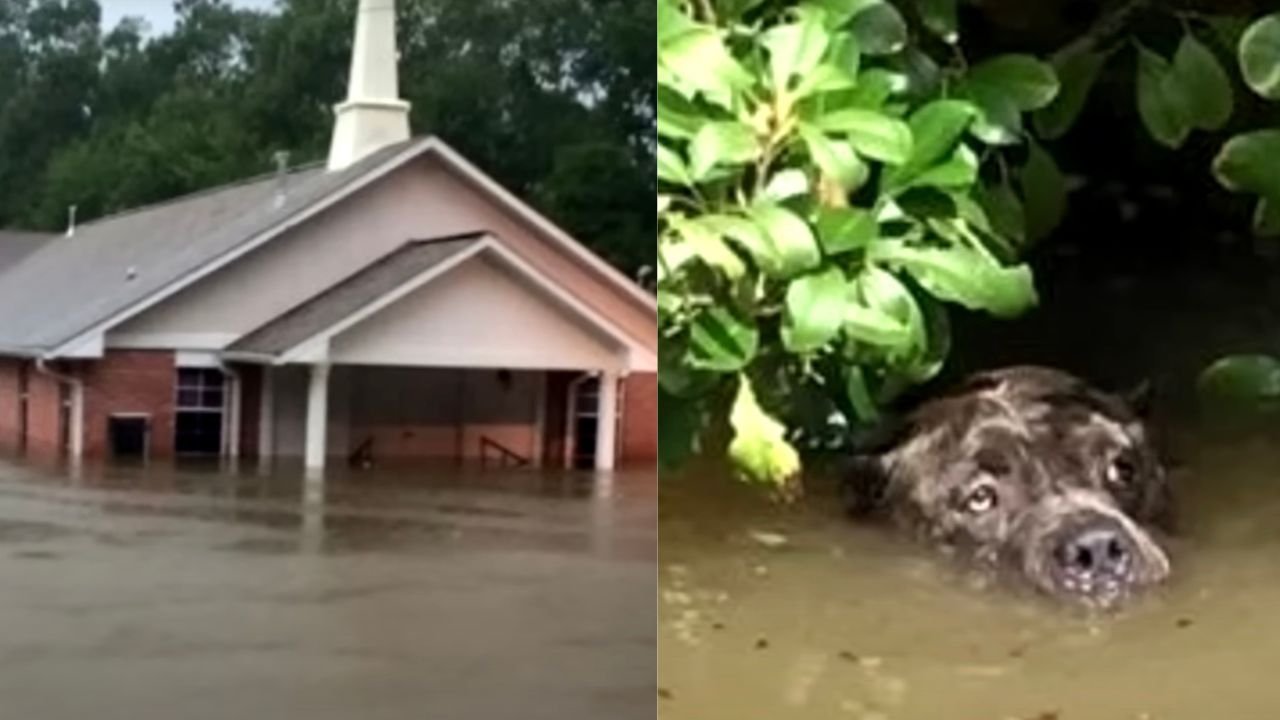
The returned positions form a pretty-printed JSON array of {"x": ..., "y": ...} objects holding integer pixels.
[
  {"x": 44, "y": 416},
  {"x": 640, "y": 418},
  {"x": 10, "y": 409},
  {"x": 129, "y": 381}
]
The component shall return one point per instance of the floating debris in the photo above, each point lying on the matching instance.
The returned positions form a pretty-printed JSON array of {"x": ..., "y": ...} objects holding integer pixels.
[
  {"x": 761, "y": 643},
  {"x": 771, "y": 540}
]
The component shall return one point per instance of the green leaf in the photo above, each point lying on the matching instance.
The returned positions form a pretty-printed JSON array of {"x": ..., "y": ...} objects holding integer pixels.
[
  {"x": 1204, "y": 84},
  {"x": 836, "y": 159},
  {"x": 786, "y": 184},
  {"x": 1045, "y": 190},
  {"x": 875, "y": 327},
  {"x": 875, "y": 86},
  {"x": 791, "y": 239},
  {"x": 1260, "y": 56},
  {"x": 958, "y": 171},
  {"x": 939, "y": 17},
  {"x": 815, "y": 310},
  {"x": 855, "y": 388},
  {"x": 671, "y": 168},
  {"x": 795, "y": 48},
  {"x": 1161, "y": 103},
  {"x": 883, "y": 291},
  {"x": 720, "y": 341},
  {"x": 1241, "y": 382},
  {"x": 935, "y": 130},
  {"x": 962, "y": 275},
  {"x": 845, "y": 228},
  {"x": 999, "y": 121},
  {"x": 677, "y": 117},
  {"x": 1076, "y": 74},
  {"x": 1266, "y": 218},
  {"x": 824, "y": 79},
  {"x": 1004, "y": 209},
  {"x": 750, "y": 237},
  {"x": 1247, "y": 163},
  {"x": 759, "y": 447},
  {"x": 699, "y": 58},
  {"x": 708, "y": 245},
  {"x": 721, "y": 143},
  {"x": 1030, "y": 83},
  {"x": 671, "y": 20},
  {"x": 839, "y": 12},
  {"x": 880, "y": 29},
  {"x": 872, "y": 134}
]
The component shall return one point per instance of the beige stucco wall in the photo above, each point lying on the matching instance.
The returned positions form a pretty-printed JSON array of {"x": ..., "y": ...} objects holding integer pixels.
[
  {"x": 421, "y": 200},
  {"x": 477, "y": 315}
]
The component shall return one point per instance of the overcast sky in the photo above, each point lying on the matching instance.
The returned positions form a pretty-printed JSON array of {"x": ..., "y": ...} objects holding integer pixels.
[{"x": 157, "y": 13}]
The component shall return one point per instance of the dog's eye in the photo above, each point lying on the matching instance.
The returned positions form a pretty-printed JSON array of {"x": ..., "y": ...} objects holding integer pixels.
[
  {"x": 1120, "y": 472},
  {"x": 981, "y": 499}
]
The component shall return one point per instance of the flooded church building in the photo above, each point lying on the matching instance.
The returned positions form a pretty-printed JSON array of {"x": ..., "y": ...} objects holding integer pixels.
[{"x": 391, "y": 304}]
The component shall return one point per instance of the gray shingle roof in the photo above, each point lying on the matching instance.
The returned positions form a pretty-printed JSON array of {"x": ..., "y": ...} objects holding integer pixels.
[
  {"x": 16, "y": 244},
  {"x": 357, "y": 291},
  {"x": 70, "y": 284}
]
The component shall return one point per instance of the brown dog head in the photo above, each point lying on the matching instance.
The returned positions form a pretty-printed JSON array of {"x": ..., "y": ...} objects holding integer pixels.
[{"x": 1030, "y": 471}]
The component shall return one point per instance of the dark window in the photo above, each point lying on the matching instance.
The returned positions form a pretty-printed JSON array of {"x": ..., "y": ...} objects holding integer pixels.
[
  {"x": 198, "y": 416},
  {"x": 128, "y": 436},
  {"x": 198, "y": 433}
]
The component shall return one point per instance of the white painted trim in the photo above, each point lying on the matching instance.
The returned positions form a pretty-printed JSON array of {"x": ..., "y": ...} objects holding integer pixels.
[
  {"x": 89, "y": 346},
  {"x": 196, "y": 359},
  {"x": 487, "y": 361},
  {"x": 170, "y": 341},
  {"x": 545, "y": 226},
  {"x": 420, "y": 148},
  {"x": 316, "y": 348}
]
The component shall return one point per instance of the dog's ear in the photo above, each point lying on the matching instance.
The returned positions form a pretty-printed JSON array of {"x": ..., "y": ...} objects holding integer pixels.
[
  {"x": 864, "y": 481},
  {"x": 1140, "y": 398}
]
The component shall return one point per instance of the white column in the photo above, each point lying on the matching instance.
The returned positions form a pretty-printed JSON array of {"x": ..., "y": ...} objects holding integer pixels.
[
  {"x": 76, "y": 431},
  {"x": 607, "y": 420},
  {"x": 267, "y": 418},
  {"x": 235, "y": 401},
  {"x": 317, "y": 416}
]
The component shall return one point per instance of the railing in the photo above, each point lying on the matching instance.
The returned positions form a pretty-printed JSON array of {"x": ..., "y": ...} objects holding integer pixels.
[
  {"x": 506, "y": 456},
  {"x": 362, "y": 456}
]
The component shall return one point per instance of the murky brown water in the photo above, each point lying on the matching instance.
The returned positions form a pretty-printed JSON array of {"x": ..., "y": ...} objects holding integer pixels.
[
  {"x": 155, "y": 593},
  {"x": 844, "y": 621}
]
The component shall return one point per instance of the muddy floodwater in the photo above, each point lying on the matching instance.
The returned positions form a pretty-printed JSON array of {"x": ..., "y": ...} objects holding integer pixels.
[
  {"x": 776, "y": 613},
  {"x": 155, "y": 593}
]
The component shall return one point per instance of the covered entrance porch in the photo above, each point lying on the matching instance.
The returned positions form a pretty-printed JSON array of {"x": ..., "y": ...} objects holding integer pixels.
[{"x": 446, "y": 349}]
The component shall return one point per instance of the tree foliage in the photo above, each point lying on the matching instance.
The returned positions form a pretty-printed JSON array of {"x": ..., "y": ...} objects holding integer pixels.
[
  {"x": 837, "y": 175},
  {"x": 554, "y": 98},
  {"x": 826, "y": 188}
]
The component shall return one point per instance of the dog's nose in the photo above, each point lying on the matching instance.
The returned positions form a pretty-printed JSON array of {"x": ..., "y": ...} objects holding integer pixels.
[{"x": 1099, "y": 551}]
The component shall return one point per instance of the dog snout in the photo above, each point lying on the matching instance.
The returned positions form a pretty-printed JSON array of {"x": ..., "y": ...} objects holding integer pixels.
[{"x": 1098, "y": 551}]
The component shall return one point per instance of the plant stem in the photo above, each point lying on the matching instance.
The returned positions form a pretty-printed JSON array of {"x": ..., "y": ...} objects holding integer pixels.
[
  {"x": 707, "y": 12},
  {"x": 1103, "y": 30}
]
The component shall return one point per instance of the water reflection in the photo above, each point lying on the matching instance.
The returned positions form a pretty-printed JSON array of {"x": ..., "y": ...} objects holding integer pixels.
[
  {"x": 845, "y": 620},
  {"x": 402, "y": 592}
]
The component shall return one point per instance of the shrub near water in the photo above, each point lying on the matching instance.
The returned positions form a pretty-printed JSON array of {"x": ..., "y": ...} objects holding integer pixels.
[{"x": 826, "y": 189}]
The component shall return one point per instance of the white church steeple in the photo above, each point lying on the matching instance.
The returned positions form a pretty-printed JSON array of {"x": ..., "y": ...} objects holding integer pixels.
[{"x": 373, "y": 115}]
